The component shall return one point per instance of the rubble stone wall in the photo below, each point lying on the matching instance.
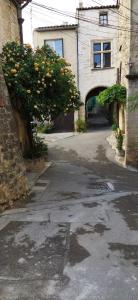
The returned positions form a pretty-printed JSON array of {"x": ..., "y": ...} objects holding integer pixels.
[
  {"x": 9, "y": 29},
  {"x": 128, "y": 65},
  {"x": 13, "y": 183}
]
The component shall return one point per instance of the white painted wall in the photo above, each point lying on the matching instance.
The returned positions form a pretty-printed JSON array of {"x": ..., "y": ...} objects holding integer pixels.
[{"x": 90, "y": 78}]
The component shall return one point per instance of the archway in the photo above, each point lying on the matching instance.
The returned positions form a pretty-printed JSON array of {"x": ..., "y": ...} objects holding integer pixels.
[{"x": 96, "y": 115}]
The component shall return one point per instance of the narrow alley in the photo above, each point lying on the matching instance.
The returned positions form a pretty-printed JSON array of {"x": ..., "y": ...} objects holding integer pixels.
[{"x": 77, "y": 236}]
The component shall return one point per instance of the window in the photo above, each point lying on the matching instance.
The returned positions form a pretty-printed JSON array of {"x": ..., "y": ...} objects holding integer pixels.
[
  {"x": 56, "y": 45},
  {"x": 102, "y": 55},
  {"x": 103, "y": 19}
]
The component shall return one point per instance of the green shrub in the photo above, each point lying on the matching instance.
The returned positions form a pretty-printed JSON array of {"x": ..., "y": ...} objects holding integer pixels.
[
  {"x": 115, "y": 93},
  {"x": 39, "y": 150},
  {"x": 119, "y": 138},
  {"x": 81, "y": 125},
  {"x": 114, "y": 127},
  {"x": 44, "y": 128}
]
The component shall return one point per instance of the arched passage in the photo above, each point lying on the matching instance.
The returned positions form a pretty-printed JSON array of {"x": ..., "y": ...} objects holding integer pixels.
[{"x": 96, "y": 115}]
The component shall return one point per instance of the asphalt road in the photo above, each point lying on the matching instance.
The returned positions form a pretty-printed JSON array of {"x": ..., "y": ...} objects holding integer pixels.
[{"x": 77, "y": 236}]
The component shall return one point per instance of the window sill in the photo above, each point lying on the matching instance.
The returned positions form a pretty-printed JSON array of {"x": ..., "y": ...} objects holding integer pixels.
[
  {"x": 104, "y": 25},
  {"x": 102, "y": 69}
]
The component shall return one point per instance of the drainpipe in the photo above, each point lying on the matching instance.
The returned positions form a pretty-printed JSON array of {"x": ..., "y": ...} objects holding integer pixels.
[
  {"x": 78, "y": 75},
  {"x": 20, "y": 21},
  {"x": 19, "y": 15}
]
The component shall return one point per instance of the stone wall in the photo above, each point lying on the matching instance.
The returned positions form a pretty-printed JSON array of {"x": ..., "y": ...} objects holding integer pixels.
[
  {"x": 13, "y": 183},
  {"x": 128, "y": 65},
  {"x": 9, "y": 29}
]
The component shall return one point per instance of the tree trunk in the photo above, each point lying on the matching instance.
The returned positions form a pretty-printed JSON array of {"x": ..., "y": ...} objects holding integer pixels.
[{"x": 24, "y": 133}]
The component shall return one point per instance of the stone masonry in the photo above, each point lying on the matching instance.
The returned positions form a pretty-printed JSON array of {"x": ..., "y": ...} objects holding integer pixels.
[
  {"x": 9, "y": 28},
  {"x": 128, "y": 66},
  {"x": 13, "y": 183}
]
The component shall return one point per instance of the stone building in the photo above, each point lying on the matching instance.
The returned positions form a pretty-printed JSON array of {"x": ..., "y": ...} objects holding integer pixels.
[
  {"x": 13, "y": 183},
  {"x": 128, "y": 70}
]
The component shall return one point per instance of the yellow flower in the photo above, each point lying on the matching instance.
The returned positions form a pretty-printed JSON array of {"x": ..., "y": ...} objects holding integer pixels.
[
  {"x": 17, "y": 66},
  {"x": 36, "y": 64},
  {"x": 48, "y": 75},
  {"x": 36, "y": 69},
  {"x": 13, "y": 71},
  {"x": 28, "y": 46}
]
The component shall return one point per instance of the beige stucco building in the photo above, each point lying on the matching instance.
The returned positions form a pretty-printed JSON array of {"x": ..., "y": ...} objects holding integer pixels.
[{"x": 63, "y": 39}]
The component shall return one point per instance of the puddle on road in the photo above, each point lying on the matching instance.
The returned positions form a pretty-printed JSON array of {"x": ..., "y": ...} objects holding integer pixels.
[
  {"x": 128, "y": 207},
  {"x": 70, "y": 195},
  {"x": 83, "y": 231},
  {"x": 98, "y": 228},
  {"x": 90, "y": 205},
  {"x": 90, "y": 229},
  {"x": 128, "y": 252},
  {"x": 77, "y": 253}
]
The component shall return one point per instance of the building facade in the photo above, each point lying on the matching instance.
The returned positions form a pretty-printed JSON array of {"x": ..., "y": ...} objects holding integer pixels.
[
  {"x": 97, "y": 51},
  {"x": 93, "y": 50},
  {"x": 63, "y": 39}
]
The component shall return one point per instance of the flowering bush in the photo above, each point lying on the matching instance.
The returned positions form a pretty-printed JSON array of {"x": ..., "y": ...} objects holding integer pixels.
[{"x": 40, "y": 83}]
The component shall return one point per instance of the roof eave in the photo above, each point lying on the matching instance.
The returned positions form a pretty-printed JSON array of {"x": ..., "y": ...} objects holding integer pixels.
[
  {"x": 98, "y": 7},
  {"x": 56, "y": 28}
]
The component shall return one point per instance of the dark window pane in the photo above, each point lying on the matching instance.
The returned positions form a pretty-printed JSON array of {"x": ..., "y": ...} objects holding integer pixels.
[
  {"x": 106, "y": 46},
  {"x": 103, "y": 19},
  {"x": 97, "y": 47},
  {"x": 97, "y": 60},
  {"x": 107, "y": 60}
]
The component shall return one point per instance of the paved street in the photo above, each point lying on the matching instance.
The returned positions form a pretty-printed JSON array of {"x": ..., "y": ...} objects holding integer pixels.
[{"x": 77, "y": 236}]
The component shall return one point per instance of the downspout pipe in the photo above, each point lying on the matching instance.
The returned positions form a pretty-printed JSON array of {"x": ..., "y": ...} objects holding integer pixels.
[{"x": 19, "y": 15}]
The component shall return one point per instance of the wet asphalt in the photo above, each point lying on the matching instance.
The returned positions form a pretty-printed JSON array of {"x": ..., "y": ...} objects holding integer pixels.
[{"x": 76, "y": 238}]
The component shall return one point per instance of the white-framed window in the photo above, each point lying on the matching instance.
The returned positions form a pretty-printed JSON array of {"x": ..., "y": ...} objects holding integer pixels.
[
  {"x": 101, "y": 55},
  {"x": 56, "y": 45},
  {"x": 103, "y": 18}
]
